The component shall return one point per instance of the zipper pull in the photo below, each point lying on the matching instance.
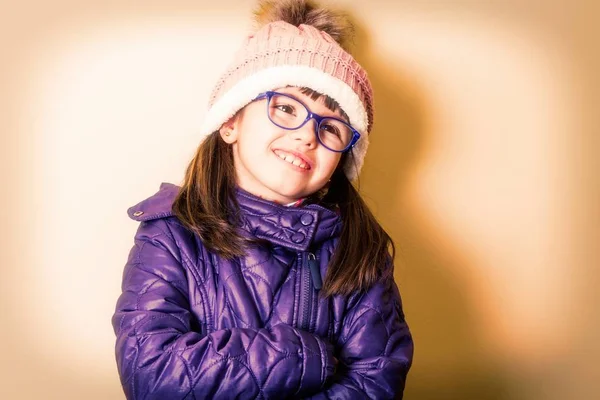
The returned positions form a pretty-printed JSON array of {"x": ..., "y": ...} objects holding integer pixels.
[{"x": 314, "y": 271}]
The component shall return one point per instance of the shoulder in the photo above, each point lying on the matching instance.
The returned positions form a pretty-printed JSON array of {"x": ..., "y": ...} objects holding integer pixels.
[
  {"x": 160, "y": 226},
  {"x": 157, "y": 219},
  {"x": 157, "y": 206},
  {"x": 382, "y": 292}
]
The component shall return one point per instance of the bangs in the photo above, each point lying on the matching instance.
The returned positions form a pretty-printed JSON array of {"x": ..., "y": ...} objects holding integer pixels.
[{"x": 330, "y": 103}]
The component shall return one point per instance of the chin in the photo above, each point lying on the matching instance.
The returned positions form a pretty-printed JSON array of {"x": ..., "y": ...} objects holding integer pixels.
[
  {"x": 290, "y": 188},
  {"x": 290, "y": 193}
]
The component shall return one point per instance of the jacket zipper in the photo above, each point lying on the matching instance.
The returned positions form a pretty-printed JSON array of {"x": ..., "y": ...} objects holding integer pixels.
[{"x": 310, "y": 280}]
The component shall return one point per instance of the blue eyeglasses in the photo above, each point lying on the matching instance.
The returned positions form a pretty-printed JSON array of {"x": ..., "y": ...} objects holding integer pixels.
[{"x": 289, "y": 113}]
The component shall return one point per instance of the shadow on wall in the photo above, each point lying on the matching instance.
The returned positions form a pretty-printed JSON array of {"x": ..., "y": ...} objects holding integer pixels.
[{"x": 450, "y": 362}]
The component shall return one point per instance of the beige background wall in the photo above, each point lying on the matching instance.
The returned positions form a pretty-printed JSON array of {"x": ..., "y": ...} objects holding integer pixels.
[{"x": 482, "y": 167}]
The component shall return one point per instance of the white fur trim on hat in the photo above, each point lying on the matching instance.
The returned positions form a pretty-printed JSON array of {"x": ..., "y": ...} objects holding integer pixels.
[{"x": 244, "y": 91}]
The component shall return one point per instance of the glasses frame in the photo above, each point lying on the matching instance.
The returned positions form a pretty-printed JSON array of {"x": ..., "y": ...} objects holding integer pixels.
[{"x": 310, "y": 115}]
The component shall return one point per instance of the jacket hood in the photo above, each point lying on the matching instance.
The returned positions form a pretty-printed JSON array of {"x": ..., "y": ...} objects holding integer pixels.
[{"x": 296, "y": 228}]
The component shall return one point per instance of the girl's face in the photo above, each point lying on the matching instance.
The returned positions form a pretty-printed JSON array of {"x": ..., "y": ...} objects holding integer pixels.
[{"x": 259, "y": 148}]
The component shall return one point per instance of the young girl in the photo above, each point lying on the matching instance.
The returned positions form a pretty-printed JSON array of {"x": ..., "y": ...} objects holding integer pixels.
[{"x": 265, "y": 276}]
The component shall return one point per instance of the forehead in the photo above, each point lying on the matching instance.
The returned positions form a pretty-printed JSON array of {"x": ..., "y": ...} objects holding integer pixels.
[{"x": 319, "y": 103}]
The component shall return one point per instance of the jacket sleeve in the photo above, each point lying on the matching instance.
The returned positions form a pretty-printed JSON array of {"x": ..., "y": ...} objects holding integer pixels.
[
  {"x": 375, "y": 348},
  {"x": 161, "y": 356}
]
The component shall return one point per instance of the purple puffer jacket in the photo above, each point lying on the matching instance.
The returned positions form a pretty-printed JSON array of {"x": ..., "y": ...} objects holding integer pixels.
[{"x": 192, "y": 325}]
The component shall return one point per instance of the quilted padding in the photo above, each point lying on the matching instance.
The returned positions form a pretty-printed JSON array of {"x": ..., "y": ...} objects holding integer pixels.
[{"x": 191, "y": 325}]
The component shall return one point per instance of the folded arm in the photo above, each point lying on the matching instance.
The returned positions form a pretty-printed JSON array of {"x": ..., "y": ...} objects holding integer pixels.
[
  {"x": 375, "y": 348},
  {"x": 160, "y": 355}
]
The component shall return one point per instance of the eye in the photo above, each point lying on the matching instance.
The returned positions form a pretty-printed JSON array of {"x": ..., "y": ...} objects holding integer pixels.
[
  {"x": 331, "y": 129},
  {"x": 286, "y": 108}
]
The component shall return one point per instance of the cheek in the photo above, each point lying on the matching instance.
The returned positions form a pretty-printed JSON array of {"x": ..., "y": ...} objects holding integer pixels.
[
  {"x": 330, "y": 161},
  {"x": 250, "y": 141},
  {"x": 257, "y": 135}
]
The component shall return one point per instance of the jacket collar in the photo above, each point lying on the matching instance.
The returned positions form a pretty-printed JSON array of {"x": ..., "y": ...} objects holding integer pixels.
[{"x": 296, "y": 228}]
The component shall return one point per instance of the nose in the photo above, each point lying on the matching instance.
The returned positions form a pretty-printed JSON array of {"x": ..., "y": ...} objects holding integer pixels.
[{"x": 307, "y": 133}]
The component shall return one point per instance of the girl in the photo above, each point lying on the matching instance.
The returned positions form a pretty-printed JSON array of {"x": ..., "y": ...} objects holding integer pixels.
[{"x": 265, "y": 276}]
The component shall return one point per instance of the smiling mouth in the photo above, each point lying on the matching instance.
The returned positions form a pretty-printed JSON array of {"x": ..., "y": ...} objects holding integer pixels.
[{"x": 292, "y": 159}]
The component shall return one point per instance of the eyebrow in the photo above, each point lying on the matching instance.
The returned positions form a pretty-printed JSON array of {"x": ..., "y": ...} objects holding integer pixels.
[{"x": 329, "y": 102}]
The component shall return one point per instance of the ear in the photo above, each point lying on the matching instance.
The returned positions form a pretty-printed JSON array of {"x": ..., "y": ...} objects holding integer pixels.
[{"x": 229, "y": 130}]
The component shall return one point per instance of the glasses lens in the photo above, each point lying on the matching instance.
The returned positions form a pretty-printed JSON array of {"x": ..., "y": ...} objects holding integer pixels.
[
  {"x": 286, "y": 112},
  {"x": 335, "y": 134}
]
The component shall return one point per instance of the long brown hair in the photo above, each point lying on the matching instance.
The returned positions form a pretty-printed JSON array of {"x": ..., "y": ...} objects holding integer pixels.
[
  {"x": 206, "y": 204},
  {"x": 364, "y": 247}
]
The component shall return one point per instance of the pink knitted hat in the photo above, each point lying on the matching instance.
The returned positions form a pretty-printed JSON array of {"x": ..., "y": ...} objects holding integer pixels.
[{"x": 281, "y": 54}]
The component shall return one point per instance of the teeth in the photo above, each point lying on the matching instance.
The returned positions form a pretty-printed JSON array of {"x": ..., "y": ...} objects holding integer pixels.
[{"x": 297, "y": 161}]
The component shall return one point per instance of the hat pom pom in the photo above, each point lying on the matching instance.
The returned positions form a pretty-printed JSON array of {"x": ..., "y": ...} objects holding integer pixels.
[{"x": 306, "y": 12}]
